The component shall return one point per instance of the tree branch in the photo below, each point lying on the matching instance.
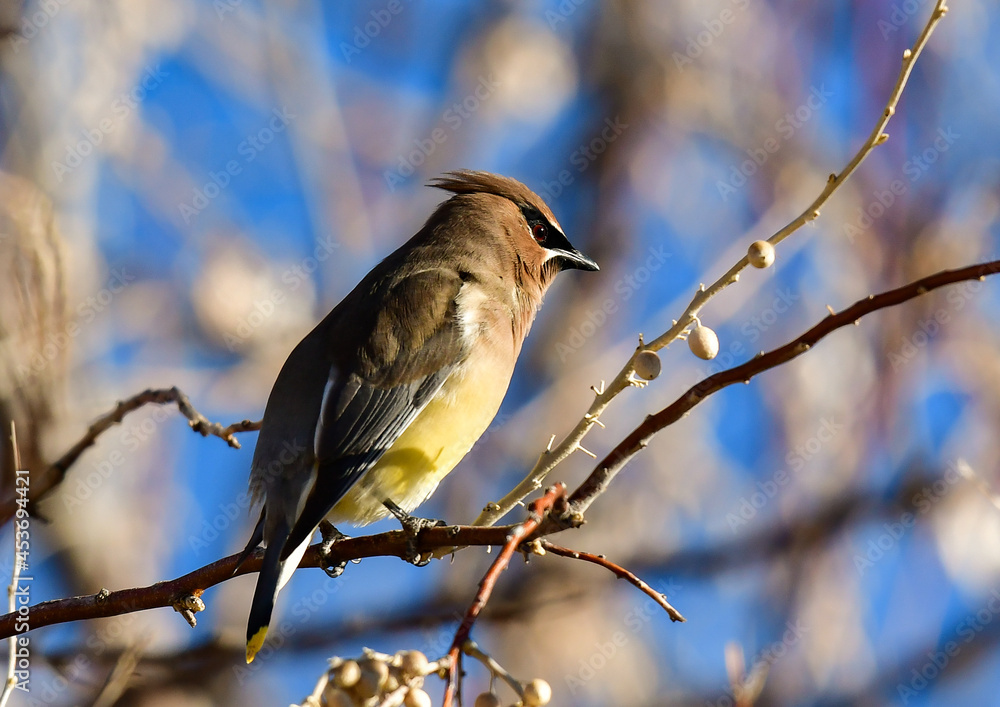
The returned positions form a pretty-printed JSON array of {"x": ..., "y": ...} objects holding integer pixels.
[
  {"x": 605, "y": 471},
  {"x": 626, "y": 377},
  {"x": 55, "y": 474},
  {"x": 618, "y": 571},
  {"x": 394, "y": 543},
  {"x": 517, "y": 535}
]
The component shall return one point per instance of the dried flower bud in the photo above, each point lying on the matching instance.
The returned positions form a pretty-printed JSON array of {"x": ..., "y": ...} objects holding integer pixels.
[
  {"x": 703, "y": 343},
  {"x": 647, "y": 365},
  {"x": 761, "y": 254}
]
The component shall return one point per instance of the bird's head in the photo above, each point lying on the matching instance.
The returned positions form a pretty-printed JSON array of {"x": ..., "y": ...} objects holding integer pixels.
[{"x": 507, "y": 209}]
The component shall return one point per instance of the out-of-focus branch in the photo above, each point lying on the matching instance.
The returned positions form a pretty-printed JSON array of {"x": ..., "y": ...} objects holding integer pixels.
[
  {"x": 55, "y": 474},
  {"x": 626, "y": 377}
]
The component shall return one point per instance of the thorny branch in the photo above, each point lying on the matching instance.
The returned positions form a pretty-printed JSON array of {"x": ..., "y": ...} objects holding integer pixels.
[
  {"x": 639, "y": 438},
  {"x": 626, "y": 378},
  {"x": 394, "y": 544}
]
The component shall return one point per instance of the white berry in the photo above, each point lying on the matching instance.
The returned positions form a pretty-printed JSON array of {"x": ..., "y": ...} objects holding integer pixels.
[
  {"x": 647, "y": 365},
  {"x": 537, "y": 693},
  {"x": 703, "y": 342},
  {"x": 760, "y": 254}
]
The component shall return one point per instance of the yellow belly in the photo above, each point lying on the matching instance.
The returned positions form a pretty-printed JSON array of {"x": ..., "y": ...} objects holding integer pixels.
[{"x": 429, "y": 448}]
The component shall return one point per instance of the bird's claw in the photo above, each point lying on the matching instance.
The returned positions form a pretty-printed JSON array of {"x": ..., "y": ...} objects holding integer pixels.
[
  {"x": 331, "y": 536},
  {"x": 413, "y": 526}
]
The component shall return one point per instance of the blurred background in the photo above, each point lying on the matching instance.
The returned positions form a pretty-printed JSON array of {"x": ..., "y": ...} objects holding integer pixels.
[{"x": 189, "y": 186}]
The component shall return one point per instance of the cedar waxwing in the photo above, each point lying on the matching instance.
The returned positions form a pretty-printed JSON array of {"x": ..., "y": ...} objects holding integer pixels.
[{"x": 388, "y": 393}]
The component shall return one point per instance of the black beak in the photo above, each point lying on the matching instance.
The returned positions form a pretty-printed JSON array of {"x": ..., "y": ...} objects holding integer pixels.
[{"x": 572, "y": 259}]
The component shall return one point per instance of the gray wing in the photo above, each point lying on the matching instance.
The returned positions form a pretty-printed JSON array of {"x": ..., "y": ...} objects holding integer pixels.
[{"x": 389, "y": 373}]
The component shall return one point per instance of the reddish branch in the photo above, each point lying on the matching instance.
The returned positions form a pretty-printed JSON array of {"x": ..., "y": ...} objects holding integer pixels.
[
  {"x": 619, "y": 571},
  {"x": 638, "y": 439},
  {"x": 516, "y": 536},
  {"x": 54, "y": 475},
  {"x": 163, "y": 594},
  {"x": 168, "y": 593}
]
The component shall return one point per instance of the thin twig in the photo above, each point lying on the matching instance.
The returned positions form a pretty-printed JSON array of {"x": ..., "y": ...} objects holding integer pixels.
[
  {"x": 619, "y": 572},
  {"x": 626, "y": 378},
  {"x": 496, "y": 670},
  {"x": 117, "y": 682},
  {"x": 56, "y": 473},
  {"x": 518, "y": 534}
]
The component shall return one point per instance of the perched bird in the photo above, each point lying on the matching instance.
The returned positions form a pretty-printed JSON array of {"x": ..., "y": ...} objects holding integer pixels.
[{"x": 387, "y": 394}]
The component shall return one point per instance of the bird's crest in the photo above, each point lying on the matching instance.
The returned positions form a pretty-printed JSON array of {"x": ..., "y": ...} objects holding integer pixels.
[{"x": 467, "y": 181}]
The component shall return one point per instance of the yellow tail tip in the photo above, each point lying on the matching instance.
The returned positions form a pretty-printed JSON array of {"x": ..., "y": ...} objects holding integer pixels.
[{"x": 255, "y": 643}]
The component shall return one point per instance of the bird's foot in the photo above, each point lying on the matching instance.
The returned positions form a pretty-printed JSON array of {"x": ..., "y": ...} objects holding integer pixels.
[
  {"x": 412, "y": 526},
  {"x": 331, "y": 536}
]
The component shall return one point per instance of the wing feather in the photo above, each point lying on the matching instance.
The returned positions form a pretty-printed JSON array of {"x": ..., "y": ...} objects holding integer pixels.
[{"x": 369, "y": 402}]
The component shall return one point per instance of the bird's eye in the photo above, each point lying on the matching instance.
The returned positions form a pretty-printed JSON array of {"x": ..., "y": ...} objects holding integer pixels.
[{"x": 540, "y": 232}]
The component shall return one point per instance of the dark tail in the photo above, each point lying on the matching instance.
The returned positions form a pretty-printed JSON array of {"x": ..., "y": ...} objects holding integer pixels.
[{"x": 265, "y": 593}]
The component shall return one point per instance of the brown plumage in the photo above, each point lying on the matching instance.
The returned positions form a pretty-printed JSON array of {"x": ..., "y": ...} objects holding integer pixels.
[{"x": 395, "y": 385}]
